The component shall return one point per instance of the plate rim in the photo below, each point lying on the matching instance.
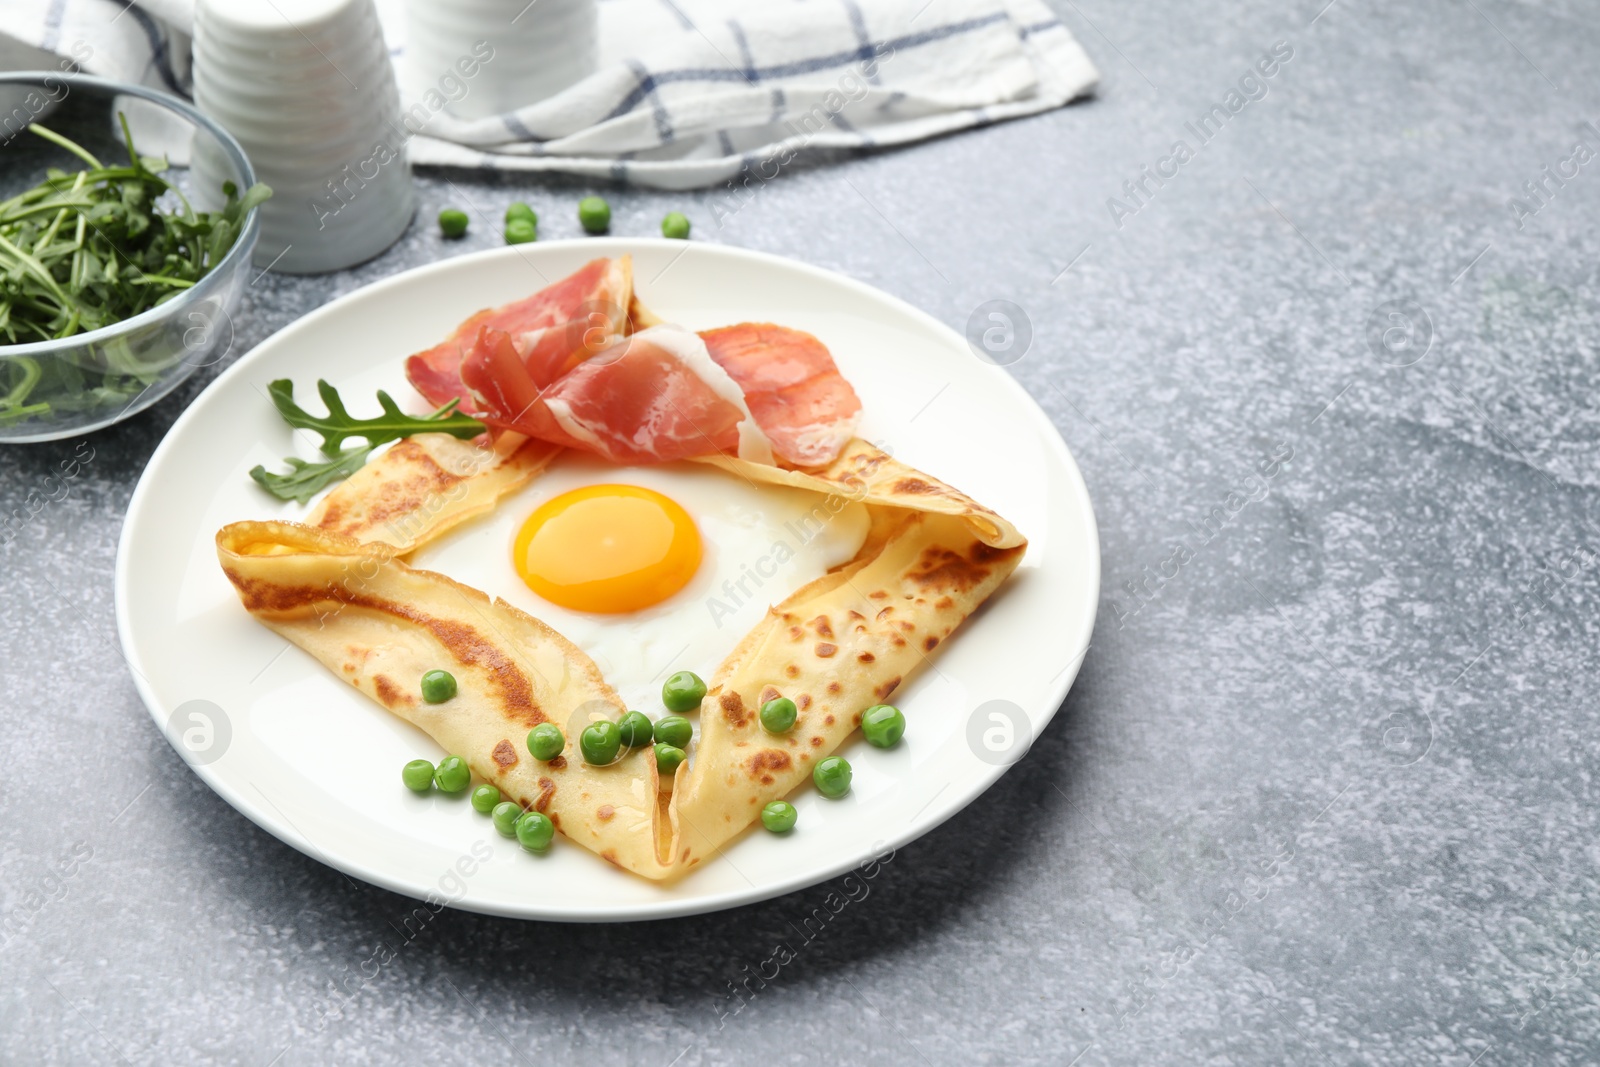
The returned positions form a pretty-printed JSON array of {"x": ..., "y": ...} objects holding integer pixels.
[{"x": 666, "y": 908}]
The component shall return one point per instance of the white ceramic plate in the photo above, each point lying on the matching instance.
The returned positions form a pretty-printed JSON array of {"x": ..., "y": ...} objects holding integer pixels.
[{"x": 316, "y": 764}]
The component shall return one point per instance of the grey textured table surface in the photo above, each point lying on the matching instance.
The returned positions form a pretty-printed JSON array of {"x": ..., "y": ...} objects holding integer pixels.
[{"x": 1324, "y": 791}]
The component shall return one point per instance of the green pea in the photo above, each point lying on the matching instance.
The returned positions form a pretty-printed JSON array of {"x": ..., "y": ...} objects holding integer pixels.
[
  {"x": 438, "y": 686},
  {"x": 594, "y": 214},
  {"x": 674, "y": 730},
  {"x": 832, "y": 777},
  {"x": 883, "y": 725},
  {"x": 505, "y": 816},
  {"x": 521, "y": 232},
  {"x": 636, "y": 729},
  {"x": 453, "y": 223},
  {"x": 778, "y": 715},
  {"x": 600, "y": 743},
  {"x": 484, "y": 798},
  {"x": 683, "y": 691},
  {"x": 779, "y": 816},
  {"x": 668, "y": 757},
  {"x": 519, "y": 210},
  {"x": 675, "y": 225},
  {"x": 452, "y": 775},
  {"x": 535, "y": 831},
  {"x": 545, "y": 741},
  {"x": 417, "y": 775}
]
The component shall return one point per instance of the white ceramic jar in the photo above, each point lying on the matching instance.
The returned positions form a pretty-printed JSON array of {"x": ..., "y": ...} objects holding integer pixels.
[
  {"x": 307, "y": 87},
  {"x": 534, "y": 51}
]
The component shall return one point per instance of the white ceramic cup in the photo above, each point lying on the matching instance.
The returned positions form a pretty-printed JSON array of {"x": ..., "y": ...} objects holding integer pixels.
[
  {"x": 534, "y": 50},
  {"x": 308, "y": 89}
]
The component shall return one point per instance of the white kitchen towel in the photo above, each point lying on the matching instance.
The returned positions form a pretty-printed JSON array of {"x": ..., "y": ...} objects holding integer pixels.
[{"x": 689, "y": 93}]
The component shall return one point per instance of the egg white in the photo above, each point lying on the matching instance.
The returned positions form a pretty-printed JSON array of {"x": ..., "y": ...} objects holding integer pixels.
[{"x": 760, "y": 543}]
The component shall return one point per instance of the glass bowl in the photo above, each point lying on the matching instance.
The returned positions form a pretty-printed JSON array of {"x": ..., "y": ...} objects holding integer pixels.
[{"x": 62, "y": 388}]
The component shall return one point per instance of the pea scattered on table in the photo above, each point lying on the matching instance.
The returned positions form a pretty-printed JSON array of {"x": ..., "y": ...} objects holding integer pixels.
[
  {"x": 417, "y": 775},
  {"x": 438, "y": 686},
  {"x": 521, "y": 232},
  {"x": 452, "y": 775},
  {"x": 453, "y": 223},
  {"x": 675, "y": 225},
  {"x": 594, "y": 214},
  {"x": 519, "y": 210}
]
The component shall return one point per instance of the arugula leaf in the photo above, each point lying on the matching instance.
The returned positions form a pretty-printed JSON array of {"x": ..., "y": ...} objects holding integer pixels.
[
  {"x": 305, "y": 479},
  {"x": 338, "y": 424}
]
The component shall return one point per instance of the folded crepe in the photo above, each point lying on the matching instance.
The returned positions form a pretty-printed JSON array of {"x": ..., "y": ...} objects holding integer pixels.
[
  {"x": 836, "y": 646},
  {"x": 380, "y": 625},
  {"x": 428, "y": 484}
]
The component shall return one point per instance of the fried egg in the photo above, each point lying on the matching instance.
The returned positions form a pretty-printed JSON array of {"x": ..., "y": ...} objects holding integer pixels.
[
  {"x": 611, "y": 549},
  {"x": 651, "y": 569}
]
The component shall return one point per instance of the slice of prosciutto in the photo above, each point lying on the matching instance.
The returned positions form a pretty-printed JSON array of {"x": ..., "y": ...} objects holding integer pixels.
[
  {"x": 648, "y": 398},
  {"x": 794, "y": 391},
  {"x": 552, "y": 331},
  {"x": 582, "y": 364}
]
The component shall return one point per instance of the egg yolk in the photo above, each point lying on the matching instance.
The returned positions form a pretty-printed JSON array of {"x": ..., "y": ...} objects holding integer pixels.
[{"x": 608, "y": 549}]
